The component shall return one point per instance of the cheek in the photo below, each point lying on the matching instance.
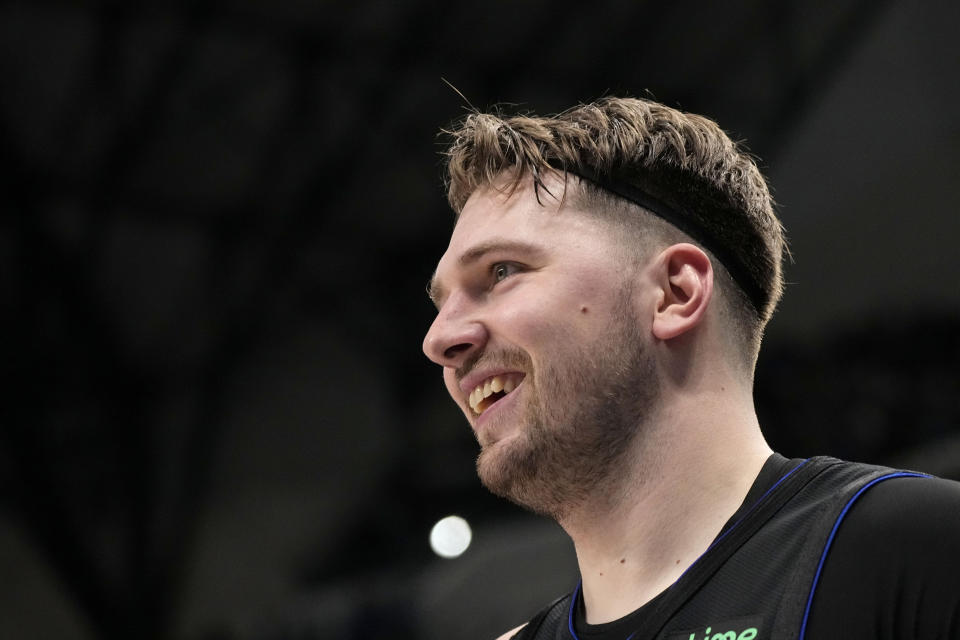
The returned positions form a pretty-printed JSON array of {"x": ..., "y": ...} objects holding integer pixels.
[
  {"x": 569, "y": 312},
  {"x": 545, "y": 326}
]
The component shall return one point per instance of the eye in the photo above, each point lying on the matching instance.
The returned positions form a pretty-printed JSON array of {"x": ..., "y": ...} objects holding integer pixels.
[{"x": 502, "y": 270}]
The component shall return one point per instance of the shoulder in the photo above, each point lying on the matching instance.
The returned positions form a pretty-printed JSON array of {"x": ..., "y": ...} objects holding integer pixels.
[
  {"x": 904, "y": 521},
  {"x": 914, "y": 507},
  {"x": 511, "y": 633},
  {"x": 894, "y": 563},
  {"x": 542, "y": 625}
]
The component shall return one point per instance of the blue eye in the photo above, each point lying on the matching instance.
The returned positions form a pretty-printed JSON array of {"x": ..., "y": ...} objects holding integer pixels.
[{"x": 502, "y": 270}]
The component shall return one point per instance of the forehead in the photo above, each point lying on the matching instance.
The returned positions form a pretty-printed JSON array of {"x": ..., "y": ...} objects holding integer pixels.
[
  {"x": 514, "y": 213},
  {"x": 526, "y": 209}
]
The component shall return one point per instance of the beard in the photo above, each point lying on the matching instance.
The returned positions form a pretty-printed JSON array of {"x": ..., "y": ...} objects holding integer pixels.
[{"x": 581, "y": 413}]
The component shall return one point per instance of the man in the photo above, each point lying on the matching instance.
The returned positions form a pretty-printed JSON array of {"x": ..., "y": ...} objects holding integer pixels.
[{"x": 600, "y": 310}]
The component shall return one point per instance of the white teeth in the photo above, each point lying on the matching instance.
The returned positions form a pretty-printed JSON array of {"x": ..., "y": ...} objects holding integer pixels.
[
  {"x": 509, "y": 385},
  {"x": 486, "y": 389},
  {"x": 496, "y": 384}
]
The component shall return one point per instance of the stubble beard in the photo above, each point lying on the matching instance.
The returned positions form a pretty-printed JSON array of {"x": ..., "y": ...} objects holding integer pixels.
[{"x": 579, "y": 423}]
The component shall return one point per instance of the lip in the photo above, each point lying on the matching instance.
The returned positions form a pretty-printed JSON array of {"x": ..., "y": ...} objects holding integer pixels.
[{"x": 482, "y": 421}]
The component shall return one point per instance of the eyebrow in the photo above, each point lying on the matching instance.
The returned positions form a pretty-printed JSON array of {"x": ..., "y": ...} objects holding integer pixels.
[{"x": 435, "y": 290}]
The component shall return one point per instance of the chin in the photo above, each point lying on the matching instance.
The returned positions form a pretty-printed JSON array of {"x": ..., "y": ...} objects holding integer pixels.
[
  {"x": 511, "y": 468},
  {"x": 501, "y": 463},
  {"x": 493, "y": 465}
]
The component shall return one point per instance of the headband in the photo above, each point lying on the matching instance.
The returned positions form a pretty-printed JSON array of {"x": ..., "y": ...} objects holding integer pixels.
[{"x": 687, "y": 203}]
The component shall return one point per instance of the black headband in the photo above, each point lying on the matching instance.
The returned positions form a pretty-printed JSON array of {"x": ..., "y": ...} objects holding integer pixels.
[{"x": 675, "y": 199}]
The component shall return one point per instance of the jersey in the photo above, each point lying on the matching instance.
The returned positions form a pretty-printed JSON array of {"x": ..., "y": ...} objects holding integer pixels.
[{"x": 820, "y": 549}]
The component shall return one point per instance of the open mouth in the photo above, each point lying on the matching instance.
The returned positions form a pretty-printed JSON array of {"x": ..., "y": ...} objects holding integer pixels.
[{"x": 492, "y": 389}]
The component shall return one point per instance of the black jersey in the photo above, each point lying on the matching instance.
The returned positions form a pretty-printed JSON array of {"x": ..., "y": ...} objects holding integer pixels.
[{"x": 783, "y": 567}]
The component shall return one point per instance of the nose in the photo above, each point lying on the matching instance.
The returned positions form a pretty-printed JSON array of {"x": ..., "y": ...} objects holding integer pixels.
[{"x": 454, "y": 335}]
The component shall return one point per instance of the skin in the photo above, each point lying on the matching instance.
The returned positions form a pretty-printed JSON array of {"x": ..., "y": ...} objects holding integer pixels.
[
  {"x": 547, "y": 302},
  {"x": 548, "y": 292}
]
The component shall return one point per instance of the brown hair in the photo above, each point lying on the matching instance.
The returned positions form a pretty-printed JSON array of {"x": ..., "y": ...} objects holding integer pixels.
[{"x": 680, "y": 167}]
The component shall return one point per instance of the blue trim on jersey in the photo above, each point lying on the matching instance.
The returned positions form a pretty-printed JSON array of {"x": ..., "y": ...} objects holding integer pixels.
[
  {"x": 573, "y": 599},
  {"x": 744, "y": 517},
  {"x": 573, "y": 603},
  {"x": 833, "y": 533}
]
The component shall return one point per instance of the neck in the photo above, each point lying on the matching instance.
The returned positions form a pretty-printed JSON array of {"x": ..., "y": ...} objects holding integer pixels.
[{"x": 686, "y": 476}]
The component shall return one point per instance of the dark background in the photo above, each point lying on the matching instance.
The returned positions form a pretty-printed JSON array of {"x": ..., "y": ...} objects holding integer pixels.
[{"x": 218, "y": 220}]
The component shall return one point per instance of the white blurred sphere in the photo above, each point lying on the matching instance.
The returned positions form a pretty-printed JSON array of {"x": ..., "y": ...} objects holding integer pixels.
[{"x": 450, "y": 537}]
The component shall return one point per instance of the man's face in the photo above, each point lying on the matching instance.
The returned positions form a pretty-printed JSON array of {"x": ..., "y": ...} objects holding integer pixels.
[{"x": 541, "y": 345}]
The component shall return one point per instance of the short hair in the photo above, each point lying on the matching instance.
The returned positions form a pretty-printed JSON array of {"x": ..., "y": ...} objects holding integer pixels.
[{"x": 680, "y": 167}]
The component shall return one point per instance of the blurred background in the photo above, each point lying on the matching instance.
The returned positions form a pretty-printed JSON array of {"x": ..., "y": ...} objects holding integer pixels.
[{"x": 218, "y": 221}]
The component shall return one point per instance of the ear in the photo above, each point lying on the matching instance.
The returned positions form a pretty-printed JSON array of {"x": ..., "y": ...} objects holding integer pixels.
[{"x": 685, "y": 277}]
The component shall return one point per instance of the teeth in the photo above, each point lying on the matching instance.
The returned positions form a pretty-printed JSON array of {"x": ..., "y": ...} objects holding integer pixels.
[{"x": 496, "y": 384}]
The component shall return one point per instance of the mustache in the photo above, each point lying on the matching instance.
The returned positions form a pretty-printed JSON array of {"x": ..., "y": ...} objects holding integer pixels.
[{"x": 511, "y": 358}]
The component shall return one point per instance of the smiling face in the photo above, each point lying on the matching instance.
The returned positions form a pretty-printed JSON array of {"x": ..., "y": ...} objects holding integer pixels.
[{"x": 542, "y": 345}]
